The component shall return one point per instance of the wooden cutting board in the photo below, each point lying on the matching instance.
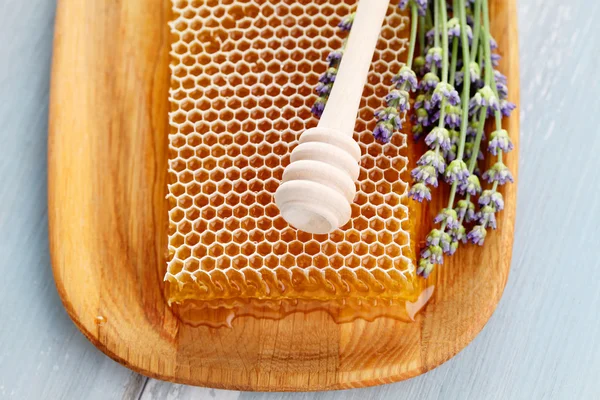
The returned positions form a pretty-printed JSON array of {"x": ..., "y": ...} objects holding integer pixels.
[{"x": 108, "y": 230}]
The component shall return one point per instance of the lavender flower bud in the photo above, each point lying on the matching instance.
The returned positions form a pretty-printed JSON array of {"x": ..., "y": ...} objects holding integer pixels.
[
  {"x": 471, "y": 185},
  {"x": 346, "y": 23},
  {"x": 425, "y": 267},
  {"x": 318, "y": 107},
  {"x": 434, "y": 159},
  {"x": 457, "y": 172},
  {"x": 477, "y": 235},
  {"x": 453, "y": 116},
  {"x": 453, "y": 28},
  {"x": 398, "y": 99},
  {"x": 489, "y": 98},
  {"x": 474, "y": 71},
  {"x": 496, "y": 59},
  {"x": 487, "y": 216},
  {"x": 499, "y": 77},
  {"x": 506, "y": 107},
  {"x": 459, "y": 234},
  {"x": 438, "y": 137},
  {"x": 502, "y": 90},
  {"x": 434, "y": 253},
  {"x": 417, "y": 130},
  {"x": 426, "y": 174},
  {"x": 419, "y": 192},
  {"x": 433, "y": 238},
  {"x": 449, "y": 217},
  {"x": 465, "y": 210},
  {"x": 329, "y": 76},
  {"x": 424, "y": 101},
  {"x": 419, "y": 66},
  {"x": 406, "y": 77},
  {"x": 493, "y": 43},
  {"x": 323, "y": 90},
  {"x": 383, "y": 131},
  {"x": 445, "y": 90},
  {"x": 499, "y": 140},
  {"x": 434, "y": 57},
  {"x": 429, "y": 82},
  {"x": 422, "y": 117},
  {"x": 334, "y": 58},
  {"x": 498, "y": 173},
  {"x": 493, "y": 198}
]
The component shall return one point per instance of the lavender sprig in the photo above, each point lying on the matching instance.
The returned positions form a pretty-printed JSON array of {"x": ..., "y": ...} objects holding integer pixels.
[
  {"x": 397, "y": 102},
  {"x": 327, "y": 79}
]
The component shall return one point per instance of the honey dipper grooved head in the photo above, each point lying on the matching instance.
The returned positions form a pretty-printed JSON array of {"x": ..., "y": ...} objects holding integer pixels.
[{"x": 318, "y": 186}]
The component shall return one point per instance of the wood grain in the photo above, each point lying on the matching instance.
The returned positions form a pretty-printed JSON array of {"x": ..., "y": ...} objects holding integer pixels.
[{"x": 107, "y": 181}]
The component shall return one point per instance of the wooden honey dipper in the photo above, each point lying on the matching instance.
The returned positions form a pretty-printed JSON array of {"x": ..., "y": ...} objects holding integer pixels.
[{"x": 318, "y": 186}]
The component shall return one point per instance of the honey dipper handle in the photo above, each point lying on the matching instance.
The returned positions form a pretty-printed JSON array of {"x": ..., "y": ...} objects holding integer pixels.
[
  {"x": 318, "y": 186},
  {"x": 344, "y": 100}
]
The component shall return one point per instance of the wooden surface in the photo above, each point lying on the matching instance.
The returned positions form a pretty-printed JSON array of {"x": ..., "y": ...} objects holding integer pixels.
[
  {"x": 541, "y": 343},
  {"x": 108, "y": 230}
]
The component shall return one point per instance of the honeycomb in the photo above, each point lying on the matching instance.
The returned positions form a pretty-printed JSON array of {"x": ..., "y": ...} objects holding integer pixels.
[{"x": 243, "y": 79}]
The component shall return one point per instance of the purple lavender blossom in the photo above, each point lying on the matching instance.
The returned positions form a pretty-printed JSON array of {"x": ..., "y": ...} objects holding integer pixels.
[
  {"x": 419, "y": 192},
  {"x": 429, "y": 82},
  {"x": 498, "y": 173},
  {"x": 493, "y": 43},
  {"x": 459, "y": 234},
  {"x": 453, "y": 116},
  {"x": 434, "y": 159},
  {"x": 383, "y": 131},
  {"x": 449, "y": 217},
  {"x": 438, "y": 137},
  {"x": 471, "y": 185},
  {"x": 474, "y": 71},
  {"x": 421, "y": 5},
  {"x": 465, "y": 209},
  {"x": 422, "y": 117},
  {"x": 318, "y": 107},
  {"x": 433, "y": 238},
  {"x": 329, "y": 76},
  {"x": 335, "y": 57},
  {"x": 477, "y": 235},
  {"x": 453, "y": 28},
  {"x": 487, "y": 216},
  {"x": 346, "y": 23},
  {"x": 499, "y": 140},
  {"x": 406, "y": 77},
  {"x": 502, "y": 90},
  {"x": 445, "y": 90},
  {"x": 506, "y": 107},
  {"x": 434, "y": 57},
  {"x": 492, "y": 197},
  {"x": 499, "y": 77},
  {"x": 457, "y": 172},
  {"x": 496, "y": 59},
  {"x": 426, "y": 174},
  {"x": 424, "y": 101},
  {"x": 398, "y": 99},
  {"x": 425, "y": 267},
  {"x": 323, "y": 90},
  {"x": 434, "y": 253}
]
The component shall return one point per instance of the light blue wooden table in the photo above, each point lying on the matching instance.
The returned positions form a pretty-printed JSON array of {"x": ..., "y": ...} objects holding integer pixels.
[{"x": 543, "y": 342}]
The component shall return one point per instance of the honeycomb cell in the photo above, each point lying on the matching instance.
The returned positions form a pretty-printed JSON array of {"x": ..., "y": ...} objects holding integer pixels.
[{"x": 243, "y": 78}]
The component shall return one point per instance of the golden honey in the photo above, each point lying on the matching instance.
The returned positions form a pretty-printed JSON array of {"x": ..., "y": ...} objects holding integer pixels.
[{"x": 243, "y": 78}]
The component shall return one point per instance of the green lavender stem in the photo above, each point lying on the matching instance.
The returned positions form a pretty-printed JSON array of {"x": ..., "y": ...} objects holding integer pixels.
[
  {"x": 413, "y": 34},
  {"x": 476, "y": 26},
  {"x": 453, "y": 61},
  {"x": 466, "y": 80}
]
